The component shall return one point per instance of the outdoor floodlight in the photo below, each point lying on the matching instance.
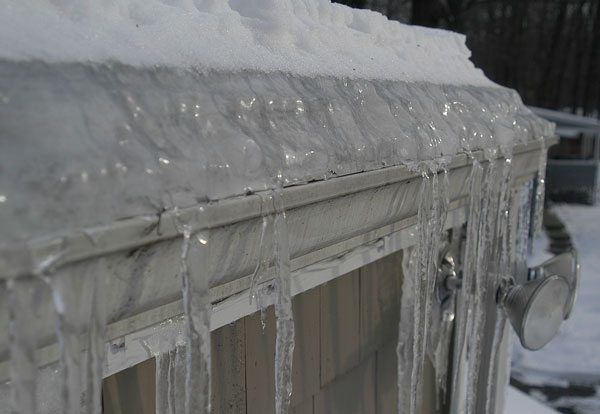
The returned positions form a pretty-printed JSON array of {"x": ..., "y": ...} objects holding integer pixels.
[
  {"x": 565, "y": 265},
  {"x": 536, "y": 309}
]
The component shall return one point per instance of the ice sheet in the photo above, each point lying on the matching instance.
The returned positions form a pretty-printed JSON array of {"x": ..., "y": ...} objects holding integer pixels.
[{"x": 83, "y": 145}]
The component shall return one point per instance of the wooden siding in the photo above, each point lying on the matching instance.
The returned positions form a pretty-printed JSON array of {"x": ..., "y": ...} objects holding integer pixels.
[{"x": 344, "y": 360}]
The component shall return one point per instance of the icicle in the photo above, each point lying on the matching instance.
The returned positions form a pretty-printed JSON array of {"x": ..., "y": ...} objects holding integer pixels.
[
  {"x": 404, "y": 349},
  {"x": 197, "y": 307},
  {"x": 95, "y": 352},
  {"x": 431, "y": 217},
  {"x": 48, "y": 384},
  {"x": 466, "y": 302},
  {"x": 261, "y": 263},
  {"x": 170, "y": 381},
  {"x": 501, "y": 270},
  {"x": 284, "y": 346},
  {"x": 420, "y": 282},
  {"x": 70, "y": 329},
  {"x": 168, "y": 346},
  {"x": 444, "y": 203},
  {"x": 23, "y": 306},
  {"x": 540, "y": 191},
  {"x": 492, "y": 260},
  {"x": 494, "y": 362},
  {"x": 47, "y": 397},
  {"x": 504, "y": 219},
  {"x": 442, "y": 351},
  {"x": 486, "y": 229},
  {"x": 522, "y": 242},
  {"x": 256, "y": 292},
  {"x": 78, "y": 296},
  {"x": 163, "y": 396},
  {"x": 517, "y": 235},
  {"x": 445, "y": 312}
]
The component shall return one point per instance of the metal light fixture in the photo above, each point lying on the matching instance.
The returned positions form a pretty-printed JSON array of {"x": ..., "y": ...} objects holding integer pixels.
[
  {"x": 536, "y": 309},
  {"x": 565, "y": 265}
]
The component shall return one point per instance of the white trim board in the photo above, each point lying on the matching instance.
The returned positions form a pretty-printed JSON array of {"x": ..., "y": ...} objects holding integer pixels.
[{"x": 132, "y": 349}]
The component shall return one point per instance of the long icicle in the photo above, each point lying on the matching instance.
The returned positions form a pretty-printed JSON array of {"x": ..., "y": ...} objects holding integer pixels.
[
  {"x": 486, "y": 228},
  {"x": 442, "y": 351},
  {"x": 540, "y": 191},
  {"x": 284, "y": 345},
  {"x": 170, "y": 381},
  {"x": 445, "y": 313},
  {"x": 163, "y": 395},
  {"x": 420, "y": 282},
  {"x": 23, "y": 343},
  {"x": 69, "y": 332},
  {"x": 502, "y": 270},
  {"x": 523, "y": 228},
  {"x": 78, "y": 296},
  {"x": 504, "y": 218},
  {"x": 197, "y": 307},
  {"x": 431, "y": 218},
  {"x": 95, "y": 343},
  {"x": 404, "y": 349},
  {"x": 519, "y": 243},
  {"x": 465, "y": 304}
]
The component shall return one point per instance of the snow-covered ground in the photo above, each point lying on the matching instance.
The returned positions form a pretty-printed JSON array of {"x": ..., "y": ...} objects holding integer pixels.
[
  {"x": 519, "y": 402},
  {"x": 567, "y": 370}
]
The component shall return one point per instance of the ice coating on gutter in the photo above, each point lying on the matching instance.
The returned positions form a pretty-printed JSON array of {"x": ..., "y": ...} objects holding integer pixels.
[
  {"x": 87, "y": 144},
  {"x": 301, "y": 37}
]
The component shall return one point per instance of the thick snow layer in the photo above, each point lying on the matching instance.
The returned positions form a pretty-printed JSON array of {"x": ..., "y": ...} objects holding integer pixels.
[{"x": 305, "y": 37}]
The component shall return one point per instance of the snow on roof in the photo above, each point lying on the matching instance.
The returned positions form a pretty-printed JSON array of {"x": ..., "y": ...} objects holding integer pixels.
[
  {"x": 303, "y": 37},
  {"x": 132, "y": 107}
]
